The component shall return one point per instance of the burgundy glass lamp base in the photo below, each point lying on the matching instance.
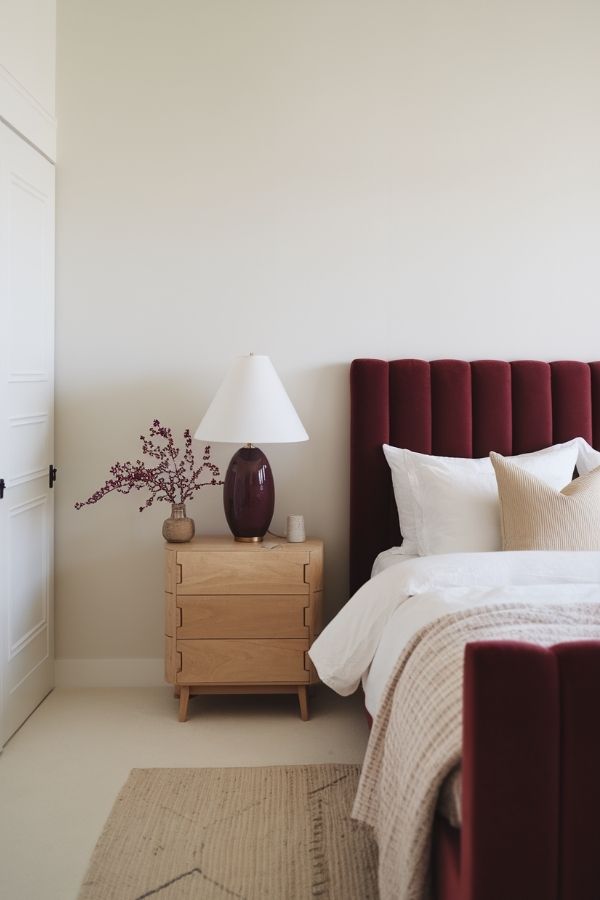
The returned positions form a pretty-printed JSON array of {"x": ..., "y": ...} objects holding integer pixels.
[{"x": 249, "y": 494}]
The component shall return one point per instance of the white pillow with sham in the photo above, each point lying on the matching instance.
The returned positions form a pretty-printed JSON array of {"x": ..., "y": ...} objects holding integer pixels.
[{"x": 450, "y": 505}]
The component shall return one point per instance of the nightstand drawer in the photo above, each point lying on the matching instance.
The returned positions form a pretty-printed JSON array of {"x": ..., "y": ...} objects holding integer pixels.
[
  {"x": 243, "y": 616},
  {"x": 243, "y": 572},
  {"x": 242, "y": 662}
]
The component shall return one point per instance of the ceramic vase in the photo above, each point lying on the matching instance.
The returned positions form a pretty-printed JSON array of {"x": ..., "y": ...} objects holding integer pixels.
[{"x": 178, "y": 529}]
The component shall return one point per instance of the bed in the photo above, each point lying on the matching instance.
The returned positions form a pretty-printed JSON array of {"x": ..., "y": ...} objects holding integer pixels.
[{"x": 529, "y": 785}]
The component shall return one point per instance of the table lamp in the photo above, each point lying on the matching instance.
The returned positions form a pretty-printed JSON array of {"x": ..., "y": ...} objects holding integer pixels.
[{"x": 250, "y": 407}]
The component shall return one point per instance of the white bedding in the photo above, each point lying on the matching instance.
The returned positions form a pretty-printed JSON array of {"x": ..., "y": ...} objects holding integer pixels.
[
  {"x": 388, "y": 558},
  {"x": 367, "y": 636}
]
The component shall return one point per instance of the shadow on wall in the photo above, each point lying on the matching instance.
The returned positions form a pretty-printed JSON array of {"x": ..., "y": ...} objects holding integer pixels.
[{"x": 109, "y": 560}]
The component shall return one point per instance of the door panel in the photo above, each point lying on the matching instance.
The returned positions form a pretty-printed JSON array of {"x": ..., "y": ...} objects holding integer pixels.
[
  {"x": 28, "y": 314},
  {"x": 26, "y": 429},
  {"x": 29, "y": 447},
  {"x": 27, "y": 573}
]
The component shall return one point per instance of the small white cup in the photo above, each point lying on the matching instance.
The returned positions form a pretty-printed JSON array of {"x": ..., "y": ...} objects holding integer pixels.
[{"x": 295, "y": 529}]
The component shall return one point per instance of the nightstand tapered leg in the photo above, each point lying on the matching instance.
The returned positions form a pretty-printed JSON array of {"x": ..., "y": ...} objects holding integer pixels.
[
  {"x": 303, "y": 700},
  {"x": 184, "y": 698}
]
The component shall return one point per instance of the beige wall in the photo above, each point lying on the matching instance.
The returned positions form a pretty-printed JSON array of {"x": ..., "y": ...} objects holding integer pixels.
[{"x": 312, "y": 180}]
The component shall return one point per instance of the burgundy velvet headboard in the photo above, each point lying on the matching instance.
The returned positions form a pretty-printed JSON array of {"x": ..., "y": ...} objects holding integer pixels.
[{"x": 453, "y": 408}]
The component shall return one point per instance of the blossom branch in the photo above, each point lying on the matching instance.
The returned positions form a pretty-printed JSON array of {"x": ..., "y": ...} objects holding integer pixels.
[{"x": 175, "y": 478}]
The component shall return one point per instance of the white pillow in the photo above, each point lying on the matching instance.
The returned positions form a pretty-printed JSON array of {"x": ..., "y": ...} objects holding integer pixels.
[
  {"x": 588, "y": 458},
  {"x": 450, "y": 505}
]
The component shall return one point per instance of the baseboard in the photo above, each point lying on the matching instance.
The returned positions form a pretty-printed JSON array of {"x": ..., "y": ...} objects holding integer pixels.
[{"x": 109, "y": 673}]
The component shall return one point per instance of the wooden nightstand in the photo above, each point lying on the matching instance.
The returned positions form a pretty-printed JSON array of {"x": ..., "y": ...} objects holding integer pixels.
[{"x": 240, "y": 617}]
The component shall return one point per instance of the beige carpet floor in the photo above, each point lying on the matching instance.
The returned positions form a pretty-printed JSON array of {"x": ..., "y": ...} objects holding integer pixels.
[{"x": 278, "y": 832}]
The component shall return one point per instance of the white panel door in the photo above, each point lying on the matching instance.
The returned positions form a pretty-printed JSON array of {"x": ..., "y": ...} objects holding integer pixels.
[
  {"x": 28, "y": 69},
  {"x": 26, "y": 429}
]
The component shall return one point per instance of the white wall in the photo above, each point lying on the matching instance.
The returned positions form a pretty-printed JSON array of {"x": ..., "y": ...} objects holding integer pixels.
[{"x": 315, "y": 181}]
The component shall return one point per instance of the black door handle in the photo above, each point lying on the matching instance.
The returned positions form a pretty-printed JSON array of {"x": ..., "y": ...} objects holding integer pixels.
[
  {"x": 51, "y": 475},
  {"x": 2, "y": 488}
]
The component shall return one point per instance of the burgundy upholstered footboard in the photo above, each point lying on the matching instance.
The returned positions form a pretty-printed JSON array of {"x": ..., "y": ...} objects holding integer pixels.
[{"x": 530, "y": 777}]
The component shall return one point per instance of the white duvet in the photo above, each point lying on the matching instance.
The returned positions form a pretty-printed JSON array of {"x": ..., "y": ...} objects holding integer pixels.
[{"x": 367, "y": 636}]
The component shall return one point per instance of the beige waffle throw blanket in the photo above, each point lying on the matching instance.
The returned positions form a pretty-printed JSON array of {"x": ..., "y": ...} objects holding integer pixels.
[{"x": 416, "y": 737}]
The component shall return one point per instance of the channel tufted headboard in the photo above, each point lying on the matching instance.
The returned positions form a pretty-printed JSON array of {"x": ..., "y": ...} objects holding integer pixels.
[{"x": 453, "y": 408}]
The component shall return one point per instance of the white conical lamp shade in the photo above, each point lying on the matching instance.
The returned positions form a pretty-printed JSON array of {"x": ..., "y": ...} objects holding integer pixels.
[{"x": 251, "y": 407}]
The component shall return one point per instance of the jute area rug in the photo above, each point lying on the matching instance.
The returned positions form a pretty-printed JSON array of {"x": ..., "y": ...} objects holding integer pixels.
[{"x": 281, "y": 832}]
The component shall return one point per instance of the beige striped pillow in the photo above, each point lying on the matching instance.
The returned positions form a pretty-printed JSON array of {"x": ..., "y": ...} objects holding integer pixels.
[{"x": 535, "y": 516}]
